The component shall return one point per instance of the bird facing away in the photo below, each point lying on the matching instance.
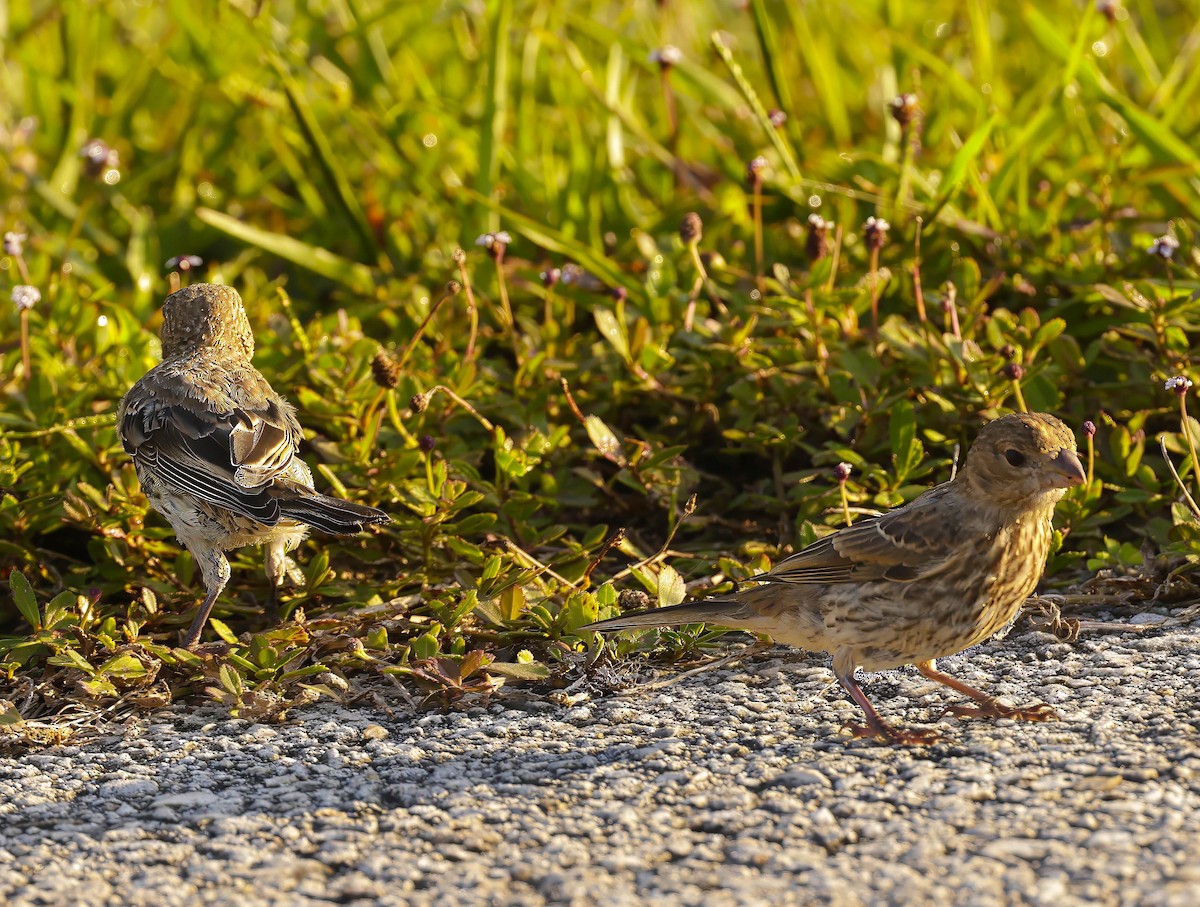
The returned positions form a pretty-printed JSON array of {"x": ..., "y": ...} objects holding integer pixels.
[
  {"x": 921, "y": 582},
  {"x": 216, "y": 449}
]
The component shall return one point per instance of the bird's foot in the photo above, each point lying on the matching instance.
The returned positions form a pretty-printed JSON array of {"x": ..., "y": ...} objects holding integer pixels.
[
  {"x": 893, "y": 735},
  {"x": 993, "y": 708}
]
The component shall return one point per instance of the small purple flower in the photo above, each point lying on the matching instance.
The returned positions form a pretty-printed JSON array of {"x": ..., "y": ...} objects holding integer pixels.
[
  {"x": 755, "y": 168},
  {"x": 183, "y": 262},
  {"x": 551, "y": 276},
  {"x": 842, "y": 471},
  {"x": 816, "y": 246},
  {"x": 777, "y": 117},
  {"x": 427, "y": 443},
  {"x": 1089, "y": 428},
  {"x": 25, "y": 297},
  {"x": 904, "y": 108},
  {"x": 1164, "y": 247},
  {"x": 1178, "y": 384},
  {"x": 1013, "y": 371},
  {"x": 876, "y": 229}
]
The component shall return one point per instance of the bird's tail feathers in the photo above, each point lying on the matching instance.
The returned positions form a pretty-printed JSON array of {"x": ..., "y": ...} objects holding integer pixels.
[
  {"x": 331, "y": 515},
  {"x": 722, "y": 612}
]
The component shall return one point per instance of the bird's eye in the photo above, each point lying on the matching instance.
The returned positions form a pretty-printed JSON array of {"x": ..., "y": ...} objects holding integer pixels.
[{"x": 1014, "y": 457}]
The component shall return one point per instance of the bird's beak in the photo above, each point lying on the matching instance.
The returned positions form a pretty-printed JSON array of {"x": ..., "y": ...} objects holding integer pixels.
[{"x": 1066, "y": 470}]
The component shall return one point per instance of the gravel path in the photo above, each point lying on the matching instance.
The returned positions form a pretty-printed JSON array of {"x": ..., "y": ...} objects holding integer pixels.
[{"x": 731, "y": 787}]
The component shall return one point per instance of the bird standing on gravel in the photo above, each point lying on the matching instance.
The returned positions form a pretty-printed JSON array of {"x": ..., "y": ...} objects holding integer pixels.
[
  {"x": 924, "y": 581},
  {"x": 216, "y": 448}
]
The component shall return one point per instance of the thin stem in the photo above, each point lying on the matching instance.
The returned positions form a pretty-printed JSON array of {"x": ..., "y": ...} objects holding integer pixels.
[
  {"x": 412, "y": 341},
  {"x": 461, "y": 402},
  {"x": 1162, "y": 443},
  {"x": 25, "y": 359},
  {"x": 874, "y": 278},
  {"x": 1187, "y": 433},
  {"x": 510, "y": 323},
  {"x": 820, "y": 353},
  {"x": 69, "y": 425},
  {"x": 472, "y": 310},
  {"x": 845, "y": 503},
  {"x": 758, "y": 234},
  {"x": 1091, "y": 460},
  {"x": 1016, "y": 386}
]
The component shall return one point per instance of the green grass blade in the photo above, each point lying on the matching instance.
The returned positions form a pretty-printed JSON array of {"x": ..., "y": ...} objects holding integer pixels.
[{"x": 352, "y": 275}]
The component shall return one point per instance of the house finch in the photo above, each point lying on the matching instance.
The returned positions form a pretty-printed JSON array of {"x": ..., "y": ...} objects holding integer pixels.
[
  {"x": 216, "y": 448},
  {"x": 926, "y": 580}
]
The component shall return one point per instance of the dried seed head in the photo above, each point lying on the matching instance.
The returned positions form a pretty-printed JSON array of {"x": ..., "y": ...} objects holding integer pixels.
[
  {"x": 777, "y": 117},
  {"x": 427, "y": 443},
  {"x": 385, "y": 370},
  {"x": 1178, "y": 384},
  {"x": 419, "y": 402},
  {"x": 633, "y": 599},
  {"x": 100, "y": 162},
  {"x": 25, "y": 297},
  {"x": 14, "y": 243},
  {"x": 551, "y": 276},
  {"x": 1089, "y": 428},
  {"x": 816, "y": 246},
  {"x": 875, "y": 230},
  {"x": 904, "y": 108},
  {"x": 842, "y": 471},
  {"x": 1013, "y": 371},
  {"x": 691, "y": 229},
  {"x": 453, "y": 288},
  {"x": 667, "y": 56},
  {"x": 1164, "y": 247},
  {"x": 459, "y": 256}
]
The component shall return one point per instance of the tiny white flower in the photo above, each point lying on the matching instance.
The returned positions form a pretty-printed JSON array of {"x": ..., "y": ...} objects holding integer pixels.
[
  {"x": 817, "y": 222},
  {"x": 25, "y": 297},
  {"x": 14, "y": 243},
  {"x": 489, "y": 240},
  {"x": 876, "y": 224},
  {"x": 1178, "y": 384},
  {"x": 667, "y": 55}
]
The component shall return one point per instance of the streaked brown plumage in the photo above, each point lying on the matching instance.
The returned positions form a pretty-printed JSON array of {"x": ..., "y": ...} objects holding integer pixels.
[
  {"x": 924, "y": 581},
  {"x": 216, "y": 449}
]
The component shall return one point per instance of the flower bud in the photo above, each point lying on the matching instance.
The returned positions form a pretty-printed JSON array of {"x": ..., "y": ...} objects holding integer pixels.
[{"x": 691, "y": 229}]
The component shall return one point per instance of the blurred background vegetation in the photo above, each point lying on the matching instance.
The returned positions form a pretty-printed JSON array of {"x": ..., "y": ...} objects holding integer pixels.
[{"x": 606, "y": 403}]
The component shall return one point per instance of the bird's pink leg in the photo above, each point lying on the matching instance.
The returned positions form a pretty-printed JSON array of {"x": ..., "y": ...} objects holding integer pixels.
[
  {"x": 215, "y": 570},
  {"x": 989, "y": 706},
  {"x": 843, "y": 668}
]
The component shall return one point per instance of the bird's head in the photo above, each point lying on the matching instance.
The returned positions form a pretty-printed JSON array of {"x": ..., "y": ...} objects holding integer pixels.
[
  {"x": 205, "y": 316},
  {"x": 1023, "y": 460}
]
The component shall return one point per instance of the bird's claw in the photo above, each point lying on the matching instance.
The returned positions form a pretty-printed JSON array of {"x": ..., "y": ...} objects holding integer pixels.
[
  {"x": 994, "y": 709},
  {"x": 895, "y": 736}
]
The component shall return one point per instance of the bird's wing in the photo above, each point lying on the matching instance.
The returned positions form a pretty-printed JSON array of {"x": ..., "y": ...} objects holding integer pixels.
[
  {"x": 227, "y": 459},
  {"x": 908, "y": 543}
]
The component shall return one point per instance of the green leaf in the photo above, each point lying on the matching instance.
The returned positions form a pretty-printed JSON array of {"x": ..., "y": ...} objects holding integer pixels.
[
  {"x": 603, "y": 438},
  {"x": 671, "y": 588},
  {"x": 222, "y": 630},
  {"x": 24, "y": 598},
  {"x": 354, "y": 276},
  {"x": 517, "y": 671},
  {"x": 59, "y": 608}
]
